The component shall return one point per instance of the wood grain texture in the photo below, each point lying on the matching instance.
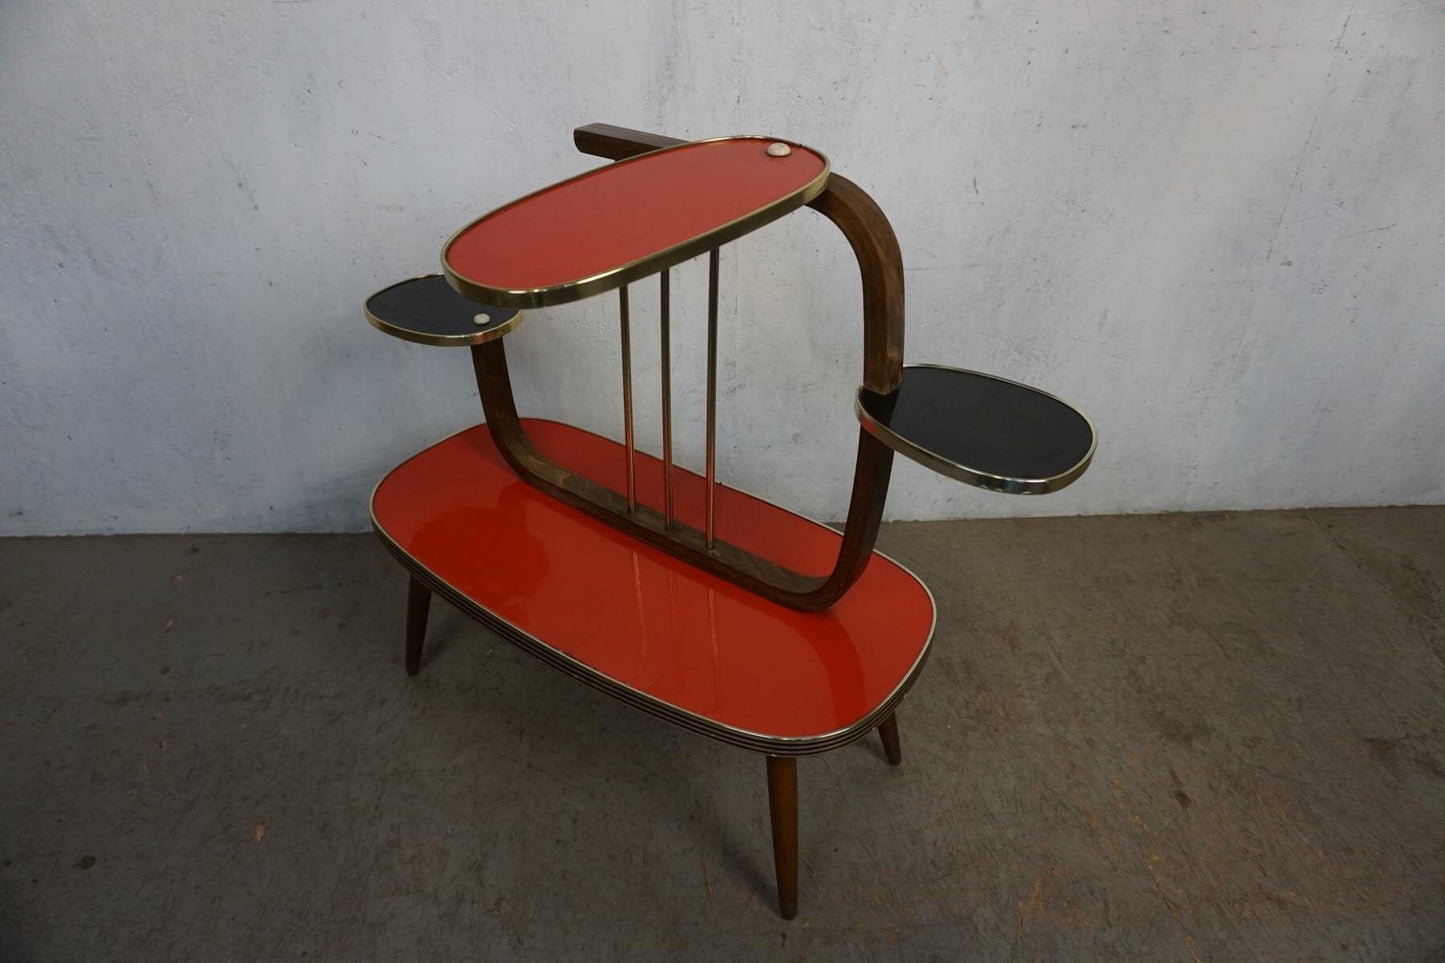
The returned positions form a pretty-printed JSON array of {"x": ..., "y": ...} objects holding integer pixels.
[
  {"x": 783, "y": 811},
  {"x": 1223, "y": 737},
  {"x": 418, "y": 603},
  {"x": 619, "y": 143}
]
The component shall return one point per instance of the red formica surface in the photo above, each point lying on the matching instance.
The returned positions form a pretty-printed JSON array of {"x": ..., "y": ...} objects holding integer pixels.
[
  {"x": 641, "y": 617},
  {"x": 622, "y": 213}
]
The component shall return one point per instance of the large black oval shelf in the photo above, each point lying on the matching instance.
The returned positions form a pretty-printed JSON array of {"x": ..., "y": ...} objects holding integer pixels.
[
  {"x": 983, "y": 430},
  {"x": 426, "y": 310}
]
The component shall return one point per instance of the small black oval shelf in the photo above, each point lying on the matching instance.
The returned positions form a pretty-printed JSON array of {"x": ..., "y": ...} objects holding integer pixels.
[
  {"x": 983, "y": 430},
  {"x": 426, "y": 310}
]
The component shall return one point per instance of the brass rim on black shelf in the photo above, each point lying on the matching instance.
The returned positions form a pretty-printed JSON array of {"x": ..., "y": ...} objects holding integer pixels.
[
  {"x": 491, "y": 331},
  {"x": 971, "y": 475}
]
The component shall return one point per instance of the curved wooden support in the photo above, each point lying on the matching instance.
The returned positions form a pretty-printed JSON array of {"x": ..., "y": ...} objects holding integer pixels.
[
  {"x": 758, "y": 575},
  {"x": 753, "y": 572},
  {"x": 880, "y": 264}
]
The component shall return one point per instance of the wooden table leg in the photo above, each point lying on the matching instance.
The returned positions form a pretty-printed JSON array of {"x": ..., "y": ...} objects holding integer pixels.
[
  {"x": 783, "y": 806},
  {"x": 889, "y": 731},
  {"x": 418, "y": 602}
]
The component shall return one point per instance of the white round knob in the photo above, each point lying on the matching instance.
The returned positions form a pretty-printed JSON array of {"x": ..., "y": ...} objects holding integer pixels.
[
  {"x": 779, "y": 149},
  {"x": 481, "y": 319}
]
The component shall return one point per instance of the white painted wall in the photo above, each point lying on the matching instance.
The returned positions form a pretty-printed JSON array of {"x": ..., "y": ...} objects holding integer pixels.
[{"x": 1217, "y": 227}]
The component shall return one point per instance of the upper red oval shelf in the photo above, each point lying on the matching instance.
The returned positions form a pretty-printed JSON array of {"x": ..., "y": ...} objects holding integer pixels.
[{"x": 612, "y": 225}]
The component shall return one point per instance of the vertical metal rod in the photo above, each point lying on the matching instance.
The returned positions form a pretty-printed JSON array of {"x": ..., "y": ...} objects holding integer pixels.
[
  {"x": 666, "y": 364},
  {"x": 627, "y": 402},
  {"x": 712, "y": 284}
]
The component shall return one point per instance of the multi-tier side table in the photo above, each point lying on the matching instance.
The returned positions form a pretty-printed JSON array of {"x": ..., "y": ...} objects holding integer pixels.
[{"x": 691, "y": 600}]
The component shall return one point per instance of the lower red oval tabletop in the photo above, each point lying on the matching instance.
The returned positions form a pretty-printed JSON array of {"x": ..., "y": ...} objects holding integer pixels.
[{"x": 642, "y": 625}]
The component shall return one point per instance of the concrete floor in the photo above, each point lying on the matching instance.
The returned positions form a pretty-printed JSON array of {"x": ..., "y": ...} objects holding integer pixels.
[{"x": 1187, "y": 737}]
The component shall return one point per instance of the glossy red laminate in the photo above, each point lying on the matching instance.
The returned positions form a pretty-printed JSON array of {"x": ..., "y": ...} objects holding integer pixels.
[
  {"x": 629, "y": 213},
  {"x": 639, "y": 617}
]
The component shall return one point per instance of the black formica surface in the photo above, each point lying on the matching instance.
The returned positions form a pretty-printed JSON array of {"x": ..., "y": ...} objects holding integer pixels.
[
  {"x": 983, "y": 424},
  {"x": 427, "y": 309}
]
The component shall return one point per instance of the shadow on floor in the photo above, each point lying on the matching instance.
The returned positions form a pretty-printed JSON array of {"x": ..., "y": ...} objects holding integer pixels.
[{"x": 1212, "y": 737}]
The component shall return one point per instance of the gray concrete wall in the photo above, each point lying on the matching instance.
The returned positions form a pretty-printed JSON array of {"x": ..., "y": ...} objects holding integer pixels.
[{"x": 1216, "y": 227}]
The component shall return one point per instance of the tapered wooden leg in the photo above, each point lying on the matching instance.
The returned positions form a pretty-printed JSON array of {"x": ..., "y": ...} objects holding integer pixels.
[
  {"x": 783, "y": 805},
  {"x": 889, "y": 731},
  {"x": 418, "y": 602}
]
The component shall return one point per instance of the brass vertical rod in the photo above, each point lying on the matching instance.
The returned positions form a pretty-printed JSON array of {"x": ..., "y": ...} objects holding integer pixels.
[
  {"x": 627, "y": 401},
  {"x": 666, "y": 366},
  {"x": 712, "y": 285}
]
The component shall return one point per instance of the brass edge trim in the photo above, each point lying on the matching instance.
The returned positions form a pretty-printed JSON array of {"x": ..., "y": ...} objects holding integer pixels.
[
  {"x": 676, "y": 715},
  {"x": 587, "y": 287},
  {"x": 442, "y": 340},
  {"x": 973, "y": 476},
  {"x": 744, "y": 738},
  {"x": 631, "y": 697}
]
